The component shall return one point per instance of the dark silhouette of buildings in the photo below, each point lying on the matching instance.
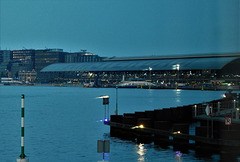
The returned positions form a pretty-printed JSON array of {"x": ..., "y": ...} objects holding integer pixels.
[{"x": 26, "y": 64}]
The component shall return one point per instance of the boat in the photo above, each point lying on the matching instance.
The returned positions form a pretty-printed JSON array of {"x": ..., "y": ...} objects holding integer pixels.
[{"x": 136, "y": 84}]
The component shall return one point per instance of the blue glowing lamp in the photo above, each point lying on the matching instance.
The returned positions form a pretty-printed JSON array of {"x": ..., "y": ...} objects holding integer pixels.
[{"x": 106, "y": 120}]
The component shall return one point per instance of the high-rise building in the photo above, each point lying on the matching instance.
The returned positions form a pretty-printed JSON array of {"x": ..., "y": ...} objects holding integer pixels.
[
  {"x": 82, "y": 56},
  {"x": 4, "y": 69},
  {"x": 25, "y": 58},
  {"x": 46, "y": 57},
  {"x": 5, "y": 58},
  {"x": 5, "y": 55}
]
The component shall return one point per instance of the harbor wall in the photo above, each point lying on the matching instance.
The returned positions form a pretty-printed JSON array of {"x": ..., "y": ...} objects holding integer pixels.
[{"x": 186, "y": 126}]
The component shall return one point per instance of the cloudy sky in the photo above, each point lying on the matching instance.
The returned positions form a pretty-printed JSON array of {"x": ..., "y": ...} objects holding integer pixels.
[{"x": 122, "y": 27}]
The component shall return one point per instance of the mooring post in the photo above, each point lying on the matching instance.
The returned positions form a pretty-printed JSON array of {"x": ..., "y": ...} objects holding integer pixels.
[{"x": 22, "y": 156}]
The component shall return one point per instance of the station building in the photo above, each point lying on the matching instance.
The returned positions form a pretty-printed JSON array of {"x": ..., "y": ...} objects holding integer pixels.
[{"x": 189, "y": 69}]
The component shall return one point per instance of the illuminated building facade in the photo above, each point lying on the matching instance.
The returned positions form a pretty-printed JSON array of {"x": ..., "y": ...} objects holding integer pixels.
[
  {"x": 26, "y": 56},
  {"x": 29, "y": 76}
]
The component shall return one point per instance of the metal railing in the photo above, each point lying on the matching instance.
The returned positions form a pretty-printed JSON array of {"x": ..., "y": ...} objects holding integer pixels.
[{"x": 228, "y": 108}]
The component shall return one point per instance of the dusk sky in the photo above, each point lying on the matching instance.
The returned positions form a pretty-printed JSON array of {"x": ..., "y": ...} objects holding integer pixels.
[{"x": 122, "y": 27}]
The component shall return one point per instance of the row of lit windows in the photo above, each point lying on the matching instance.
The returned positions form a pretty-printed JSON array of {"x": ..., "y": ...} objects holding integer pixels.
[{"x": 15, "y": 52}]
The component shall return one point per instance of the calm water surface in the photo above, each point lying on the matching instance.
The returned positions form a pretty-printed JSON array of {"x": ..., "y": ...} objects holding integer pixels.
[{"x": 64, "y": 123}]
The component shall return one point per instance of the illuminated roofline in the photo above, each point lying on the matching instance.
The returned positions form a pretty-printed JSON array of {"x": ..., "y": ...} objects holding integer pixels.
[{"x": 172, "y": 57}]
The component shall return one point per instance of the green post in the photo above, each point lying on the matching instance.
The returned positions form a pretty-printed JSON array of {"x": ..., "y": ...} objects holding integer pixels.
[{"x": 22, "y": 156}]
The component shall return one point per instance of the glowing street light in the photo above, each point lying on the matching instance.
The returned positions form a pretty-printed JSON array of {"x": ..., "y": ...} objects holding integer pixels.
[{"x": 139, "y": 126}]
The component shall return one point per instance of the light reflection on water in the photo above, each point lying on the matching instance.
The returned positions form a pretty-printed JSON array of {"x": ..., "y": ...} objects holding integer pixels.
[
  {"x": 178, "y": 156},
  {"x": 178, "y": 95},
  {"x": 141, "y": 152}
]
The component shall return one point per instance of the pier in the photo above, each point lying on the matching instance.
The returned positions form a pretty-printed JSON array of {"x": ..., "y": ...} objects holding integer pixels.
[{"x": 213, "y": 125}]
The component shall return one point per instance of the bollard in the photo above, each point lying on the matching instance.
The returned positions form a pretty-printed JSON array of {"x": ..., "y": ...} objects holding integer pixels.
[{"x": 22, "y": 156}]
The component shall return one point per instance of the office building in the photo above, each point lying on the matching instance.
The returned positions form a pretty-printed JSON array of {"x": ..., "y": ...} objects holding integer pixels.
[
  {"x": 82, "y": 56},
  {"x": 24, "y": 58},
  {"x": 46, "y": 57}
]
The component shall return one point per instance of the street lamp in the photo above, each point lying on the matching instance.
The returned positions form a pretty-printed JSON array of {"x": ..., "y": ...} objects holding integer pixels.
[
  {"x": 106, "y": 112},
  {"x": 150, "y": 69},
  {"x": 178, "y": 67}
]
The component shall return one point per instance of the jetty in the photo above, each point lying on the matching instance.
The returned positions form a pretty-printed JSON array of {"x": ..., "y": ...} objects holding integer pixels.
[{"x": 213, "y": 125}]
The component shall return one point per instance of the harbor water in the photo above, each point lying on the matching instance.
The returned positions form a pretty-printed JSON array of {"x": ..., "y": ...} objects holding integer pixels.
[{"x": 63, "y": 124}]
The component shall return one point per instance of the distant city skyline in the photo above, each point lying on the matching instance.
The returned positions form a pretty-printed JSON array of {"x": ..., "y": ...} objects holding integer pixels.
[{"x": 122, "y": 28}]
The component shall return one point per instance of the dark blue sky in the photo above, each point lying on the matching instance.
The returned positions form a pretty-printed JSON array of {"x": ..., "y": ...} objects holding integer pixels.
[{"x": 122, "y": 28}]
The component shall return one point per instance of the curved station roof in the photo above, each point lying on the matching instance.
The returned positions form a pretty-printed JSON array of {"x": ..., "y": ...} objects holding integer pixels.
[{"x": 185, "y": 63}]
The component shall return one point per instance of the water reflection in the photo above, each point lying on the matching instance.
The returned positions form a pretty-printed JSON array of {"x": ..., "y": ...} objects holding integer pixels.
[
  {"x": 178, "y": 156},
  {"x": 141, "y": 151},
  {"x": 178, "y": 95}
]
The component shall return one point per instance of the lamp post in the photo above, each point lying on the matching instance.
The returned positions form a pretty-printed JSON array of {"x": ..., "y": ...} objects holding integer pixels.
[
  {"x": 178, "y": 67},
  {"x": 106, "y": 111},
  {"x": 150, "y": 70}
]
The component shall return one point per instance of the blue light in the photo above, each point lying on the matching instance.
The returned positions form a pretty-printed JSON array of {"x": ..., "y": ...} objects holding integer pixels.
[
  {"x": 106, "y": 120},
  {"x": 106, "y": 157},
  {"x": 178, "y": 155}
]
